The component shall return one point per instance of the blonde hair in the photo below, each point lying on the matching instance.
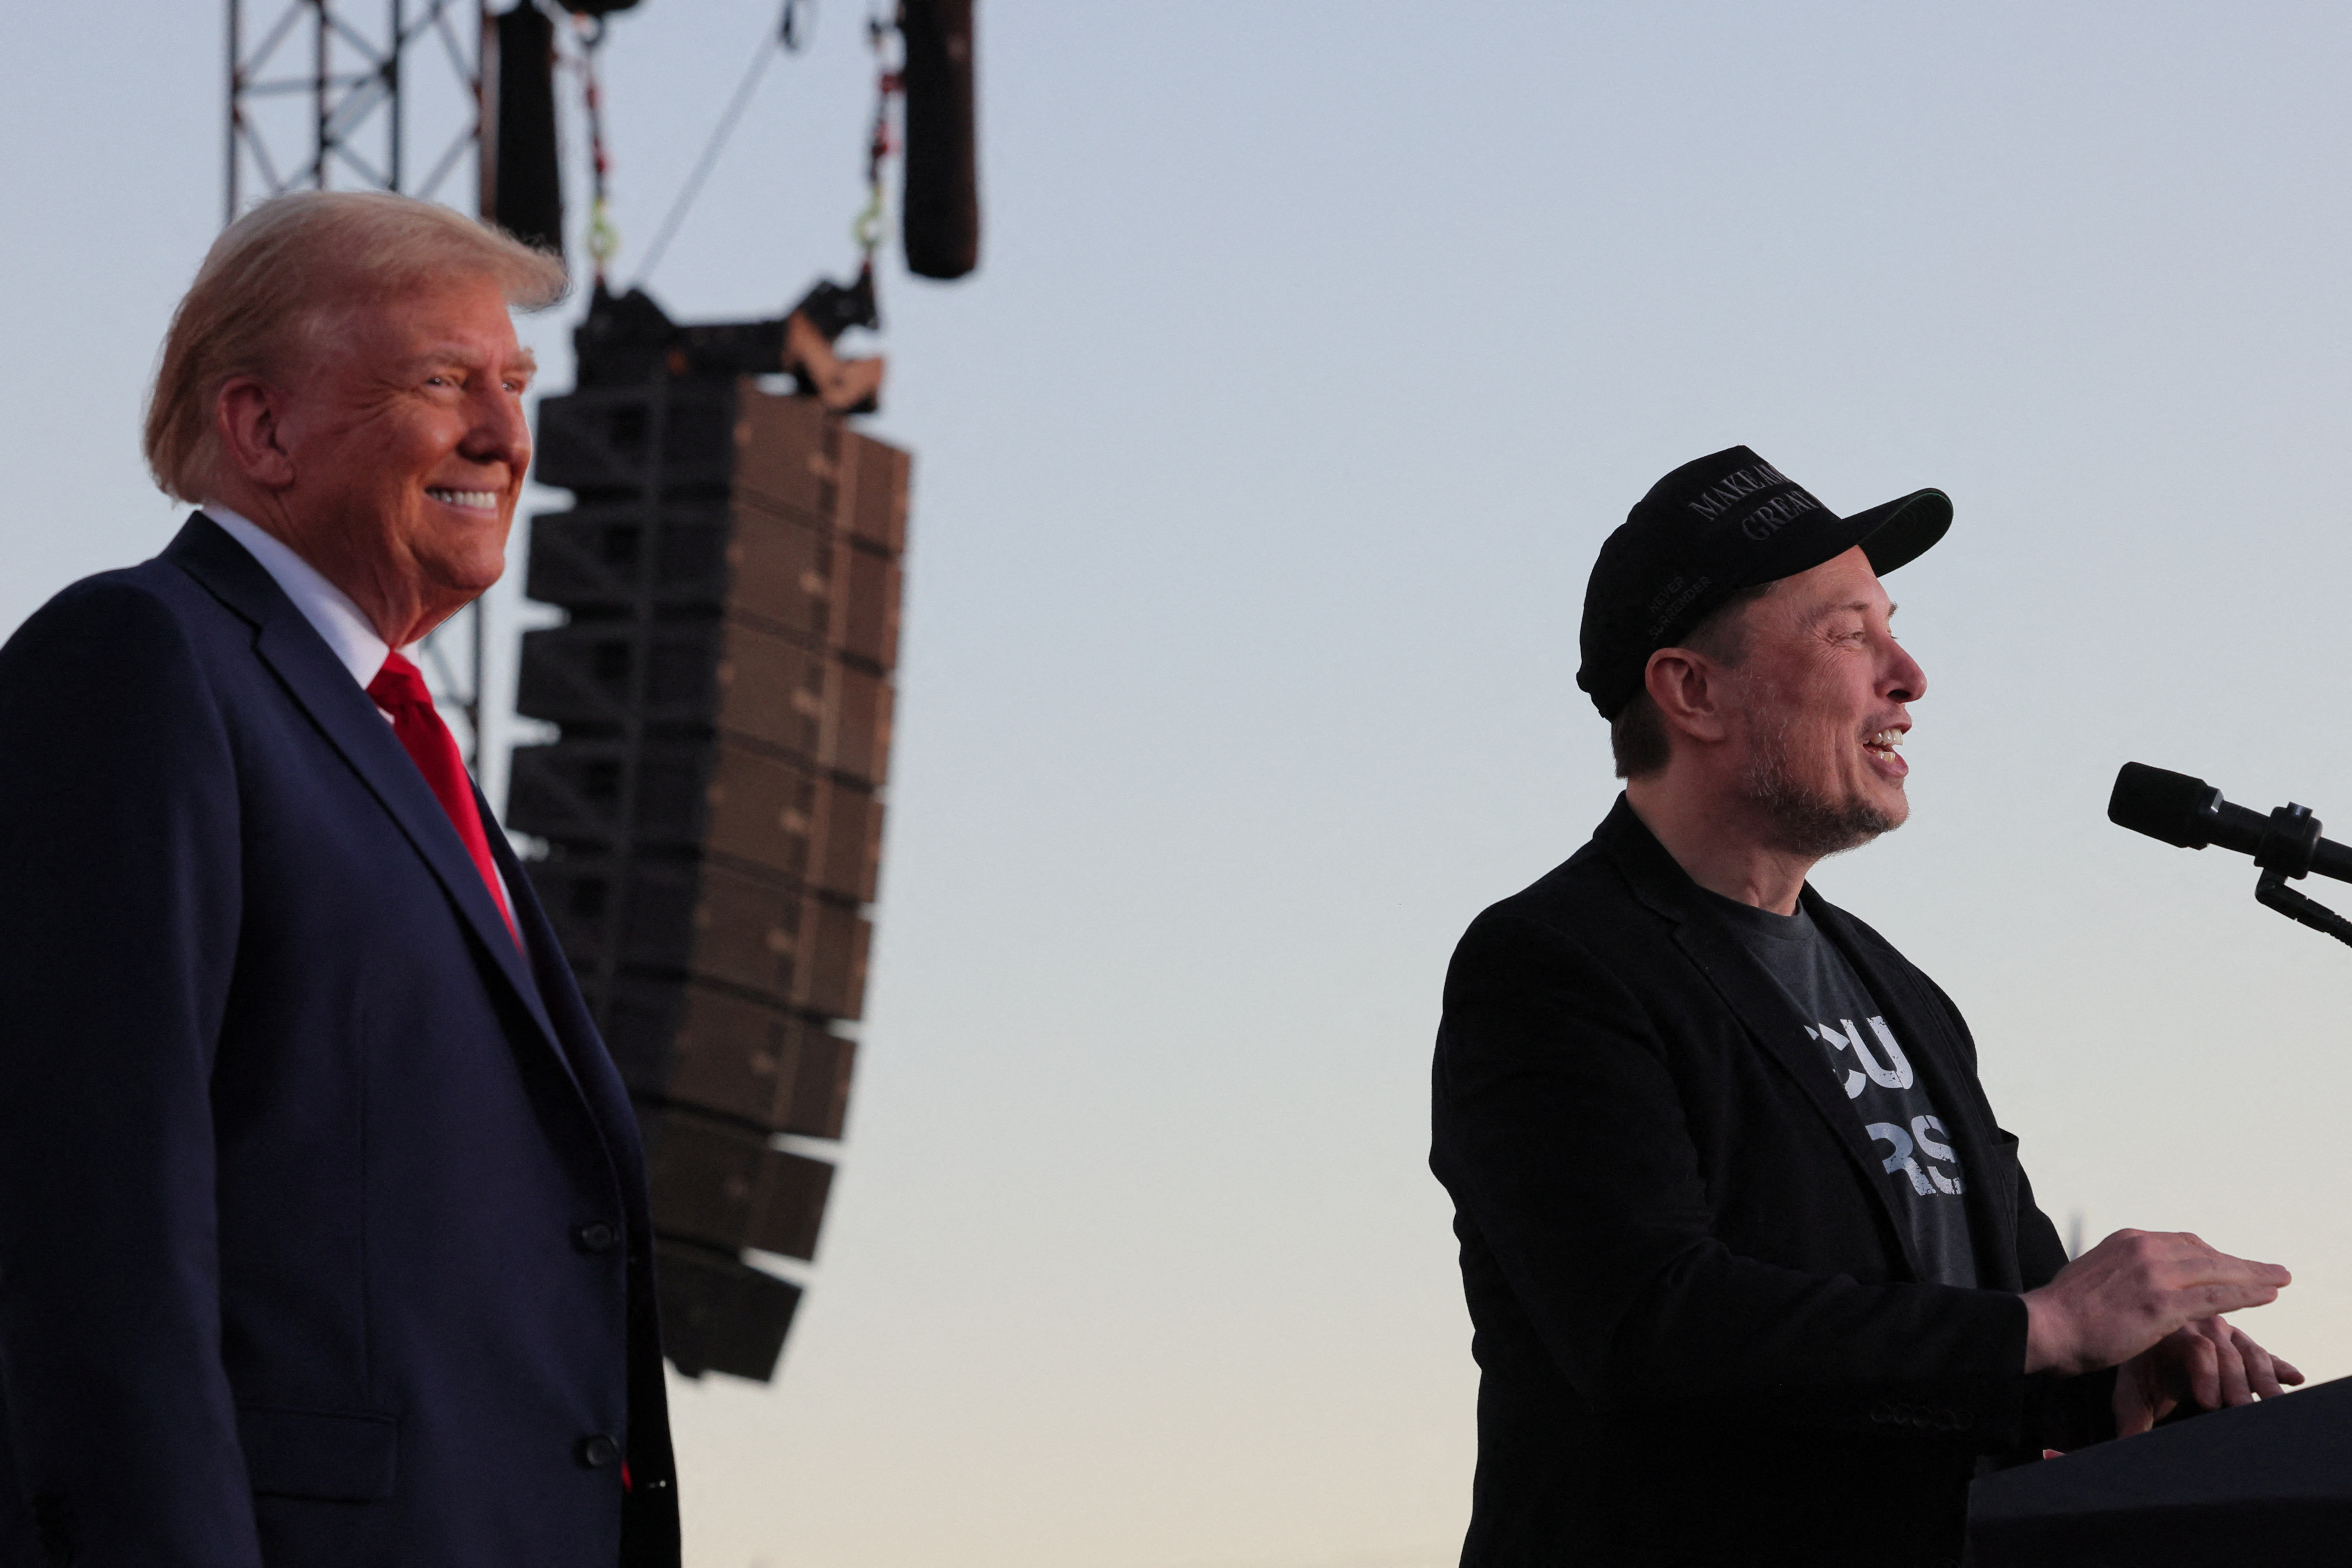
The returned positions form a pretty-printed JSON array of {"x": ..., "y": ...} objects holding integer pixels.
[{"x": 266, "y": 286}]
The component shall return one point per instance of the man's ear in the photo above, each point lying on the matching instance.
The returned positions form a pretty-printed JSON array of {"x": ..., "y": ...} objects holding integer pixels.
[
  {"x": 1688, "y": 689},
  {"x": 245, "y": 415}
]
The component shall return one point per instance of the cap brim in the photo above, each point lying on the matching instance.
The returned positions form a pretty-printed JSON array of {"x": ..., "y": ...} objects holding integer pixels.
[{"x": 1902, "y": 530}]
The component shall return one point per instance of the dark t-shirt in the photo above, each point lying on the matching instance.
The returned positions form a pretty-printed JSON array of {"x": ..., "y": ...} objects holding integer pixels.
[{"x": 1923, "y": 1173}]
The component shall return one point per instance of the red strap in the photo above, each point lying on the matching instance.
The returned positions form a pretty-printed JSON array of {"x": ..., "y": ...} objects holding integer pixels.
[{"x": 400, "y": 691}]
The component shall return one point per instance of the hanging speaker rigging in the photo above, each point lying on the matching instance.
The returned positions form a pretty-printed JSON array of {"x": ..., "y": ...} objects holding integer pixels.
[
  {"x": 713, "y": 810},
  {"x": 939, "y": 213},
  {"x": 731, "y": 567},
  {"x": 522, "y": 188}
]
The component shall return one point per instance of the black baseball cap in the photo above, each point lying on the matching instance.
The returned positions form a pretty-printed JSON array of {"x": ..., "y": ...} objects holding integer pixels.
[{"x": 1711, "y": 528}]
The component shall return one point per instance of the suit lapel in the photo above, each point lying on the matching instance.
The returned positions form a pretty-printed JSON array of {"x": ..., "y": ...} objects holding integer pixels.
[
  {"x": 1752, "y": 995},
  {"x": 351, "y": 724},
  {"x": 1920, "y": 1022},
  {"x": 558, "y": 993},
  {"x": 1765, "y": 1011}
]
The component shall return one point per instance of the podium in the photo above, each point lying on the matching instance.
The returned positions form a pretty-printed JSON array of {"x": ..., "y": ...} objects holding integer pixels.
[{"x": 2268, "y": 1483}]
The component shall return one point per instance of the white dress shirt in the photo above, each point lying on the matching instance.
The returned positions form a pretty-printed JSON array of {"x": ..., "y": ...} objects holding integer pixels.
[
  {"x": 330, "y": 611},
  {"x": 327, "y": 608}
]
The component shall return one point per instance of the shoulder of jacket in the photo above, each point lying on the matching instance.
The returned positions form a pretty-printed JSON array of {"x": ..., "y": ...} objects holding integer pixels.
[
  {"x": 145, "y": 639},
  {"x": 147, "y": 600},
  {"x": 1590, "y": 892},
  {"x": 1581, "y": 911}
]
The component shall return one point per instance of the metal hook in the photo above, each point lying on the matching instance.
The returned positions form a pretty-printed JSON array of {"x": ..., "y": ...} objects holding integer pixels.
[
  {"x": 2272, "y": 893},
  {"x": 788, "y": 27}
]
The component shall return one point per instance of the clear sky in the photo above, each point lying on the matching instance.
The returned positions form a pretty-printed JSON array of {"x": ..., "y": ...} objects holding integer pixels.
[{"x": 1315, "y": 350}]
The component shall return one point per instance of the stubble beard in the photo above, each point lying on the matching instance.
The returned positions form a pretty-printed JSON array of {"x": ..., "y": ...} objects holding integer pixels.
[{"x": 1804, "y": 821}]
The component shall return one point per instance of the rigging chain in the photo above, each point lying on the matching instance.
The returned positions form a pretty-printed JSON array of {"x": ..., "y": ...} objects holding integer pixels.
[{"x": 787, "y": 39}]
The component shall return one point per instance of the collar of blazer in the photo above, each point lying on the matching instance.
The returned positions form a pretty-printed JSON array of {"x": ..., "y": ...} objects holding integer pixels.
[
  {"x": 318, "y": 681},
  {"x": 1931, "y": 1038}
]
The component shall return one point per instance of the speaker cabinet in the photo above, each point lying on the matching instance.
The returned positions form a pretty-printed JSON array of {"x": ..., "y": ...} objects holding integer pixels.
[
  {"x": 720, "y": 1315},
  {"x": 697, "y": 1047},
  {"x": 713, "y": 810}
]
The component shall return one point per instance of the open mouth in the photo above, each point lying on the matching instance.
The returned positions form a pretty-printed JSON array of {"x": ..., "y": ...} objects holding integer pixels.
[
  {"x": 470, "y": 501},
  {"x": 1881, "y": 745}
]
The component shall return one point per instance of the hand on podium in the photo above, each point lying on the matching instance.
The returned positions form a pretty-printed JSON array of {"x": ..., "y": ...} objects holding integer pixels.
[
  {"x": 2207, "y": 1362},
  {"x": 2150, "y": 1304}
]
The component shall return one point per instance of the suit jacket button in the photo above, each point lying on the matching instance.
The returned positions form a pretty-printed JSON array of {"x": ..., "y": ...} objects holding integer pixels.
[
  {"x": 598, "y": 1451},
  {"x": 1881, "y": 1414},
  {"x": 595, "y": 1237}
]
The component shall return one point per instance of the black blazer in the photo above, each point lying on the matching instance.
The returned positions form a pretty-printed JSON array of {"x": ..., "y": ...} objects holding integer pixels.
[
  {"x": 323, "y": 1232},
  {"x": 1700, "y": 1332}
]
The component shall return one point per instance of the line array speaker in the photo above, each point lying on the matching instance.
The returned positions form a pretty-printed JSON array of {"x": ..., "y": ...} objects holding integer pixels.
[
  {"x": 524, "y": 192},
  {"x": 713, "y": 810},
  {"x": 940, "y": 223}
]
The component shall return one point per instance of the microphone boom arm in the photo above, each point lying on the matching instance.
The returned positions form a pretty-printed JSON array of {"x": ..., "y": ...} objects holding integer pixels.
[
  {"x": 2272, "y": 893},
  {"x": 2285, "y": 851}
]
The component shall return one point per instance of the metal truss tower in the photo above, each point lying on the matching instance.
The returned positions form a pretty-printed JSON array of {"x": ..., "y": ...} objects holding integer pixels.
[{"x": 320, "y": 98}]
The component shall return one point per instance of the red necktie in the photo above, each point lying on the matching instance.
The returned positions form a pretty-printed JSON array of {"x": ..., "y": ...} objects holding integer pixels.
[{"x": 400, "y": 691}]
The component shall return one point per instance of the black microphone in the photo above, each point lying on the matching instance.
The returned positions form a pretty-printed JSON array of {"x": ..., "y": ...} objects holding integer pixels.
[{"x": 2190, "y": 813}]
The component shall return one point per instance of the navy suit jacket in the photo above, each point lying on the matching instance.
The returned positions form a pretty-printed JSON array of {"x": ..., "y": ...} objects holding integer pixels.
[{"x": 323, "y": 1225}]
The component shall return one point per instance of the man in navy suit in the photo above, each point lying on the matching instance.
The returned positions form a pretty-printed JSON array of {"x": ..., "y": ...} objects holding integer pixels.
[{"x": 323, "y": 1233}]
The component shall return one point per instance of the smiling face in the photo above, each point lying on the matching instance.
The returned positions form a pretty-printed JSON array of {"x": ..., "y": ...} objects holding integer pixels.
[
  {"x": 1823, "y": 692},
  {"x": 398, "y": 452}
]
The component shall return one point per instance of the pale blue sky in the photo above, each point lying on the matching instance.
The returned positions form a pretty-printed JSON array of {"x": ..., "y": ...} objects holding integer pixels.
[{"x": 1315, "y": 350}]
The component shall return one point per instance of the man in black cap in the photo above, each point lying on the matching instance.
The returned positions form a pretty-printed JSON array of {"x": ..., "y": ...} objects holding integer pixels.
[{"x": 1754, "y": 1274}]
